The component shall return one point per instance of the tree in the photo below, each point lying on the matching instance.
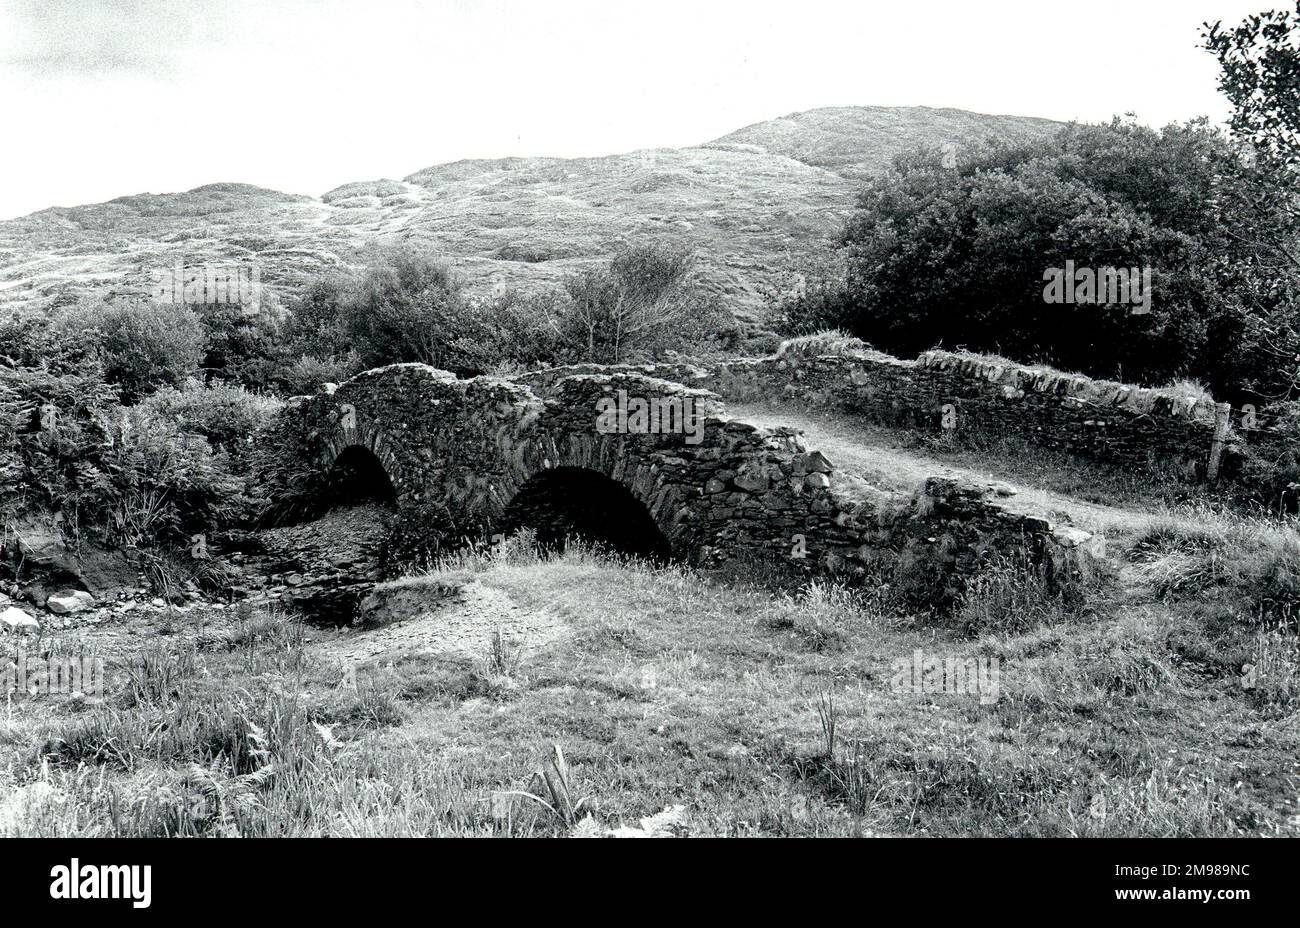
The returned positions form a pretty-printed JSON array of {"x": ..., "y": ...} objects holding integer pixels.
[
  {"x": 1260, "y": 75},
  {"x": 1260, "y": 62}
]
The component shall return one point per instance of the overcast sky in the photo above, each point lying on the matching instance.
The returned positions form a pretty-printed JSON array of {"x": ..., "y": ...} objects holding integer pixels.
[{"x": 101, "y": 98}]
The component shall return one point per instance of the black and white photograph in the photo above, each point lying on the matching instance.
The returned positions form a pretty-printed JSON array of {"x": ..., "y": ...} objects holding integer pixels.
[{"x": 688, "y": 420}]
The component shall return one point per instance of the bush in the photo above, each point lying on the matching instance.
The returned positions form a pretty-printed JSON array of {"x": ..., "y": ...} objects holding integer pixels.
[
  {"x": 33, "y": 340},
  {"x": 159, "y": 484},
  {"x": 141, "y": 345},
  {"x": 248, "y": 346},
  {"x": 1269, "y": 474},
  {"x": 525, "y": 331},
  {"x": 118, "y": 475},
  {"x": 306, "y": 374},
  {"x": 228, "y": 416},
  {"x": 645, "y": 303},
  {"x": 315, "y": 324},
  {"x": 409, "y": 307},
  {"x": 53, "y": 426},
  {"x": 814, "y": 300}
]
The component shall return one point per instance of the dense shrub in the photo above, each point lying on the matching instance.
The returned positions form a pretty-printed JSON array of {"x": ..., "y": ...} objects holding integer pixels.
[
  {"x": 229, "y": 416},
  {"x": 409, "y": 307},
  {"x": 406, "y": 306},
  {"x": 306, "y": 374},
  {"x": 644, "y": 303},
  {"x": 141, "y": 345},
  {"x": 1272, "y": 477},
  {"x": 33, "y": 340},
  {"x": 313, "y": 328},
  {"x": 53, "y": 427},
  {"x": 242, "y": 344},
  {"x": 525, "y": 331},
  {"x": 161, "y": 484},
  {"x": 114, "y": 474}
]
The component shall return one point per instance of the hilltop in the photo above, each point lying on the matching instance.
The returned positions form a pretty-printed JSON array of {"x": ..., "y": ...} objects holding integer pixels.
[{"x": 752, "y": 204}]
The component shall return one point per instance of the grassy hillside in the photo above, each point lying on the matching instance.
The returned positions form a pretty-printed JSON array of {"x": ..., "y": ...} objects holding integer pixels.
[
  {"x": 752, "y": 204},
  {"x": 856, "y": 141}
]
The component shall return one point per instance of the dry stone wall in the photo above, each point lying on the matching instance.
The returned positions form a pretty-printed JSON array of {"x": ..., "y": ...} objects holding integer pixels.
[{"x": 978, "y": 399}]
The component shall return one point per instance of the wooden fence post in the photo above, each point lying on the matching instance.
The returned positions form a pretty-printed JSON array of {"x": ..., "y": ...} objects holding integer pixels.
[{"x": 1222, "y": 417}]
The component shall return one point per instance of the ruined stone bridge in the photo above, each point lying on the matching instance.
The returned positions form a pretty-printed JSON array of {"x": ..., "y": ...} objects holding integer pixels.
[{"x": 464, "y": 460}]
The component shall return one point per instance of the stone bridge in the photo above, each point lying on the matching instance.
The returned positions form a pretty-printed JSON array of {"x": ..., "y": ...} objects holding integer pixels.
[{"x": 465, "y": 460}]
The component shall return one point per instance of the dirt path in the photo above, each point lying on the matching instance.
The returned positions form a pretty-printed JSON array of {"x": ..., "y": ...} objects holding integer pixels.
[
  {"x": 874, "y": 454},
  {"x": 462, "y": 626}
]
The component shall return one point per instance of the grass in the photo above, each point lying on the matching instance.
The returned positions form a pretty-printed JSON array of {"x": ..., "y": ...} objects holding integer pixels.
[
  {"x": 680, "y": 704},
  {"x": 819, "y": 344}
]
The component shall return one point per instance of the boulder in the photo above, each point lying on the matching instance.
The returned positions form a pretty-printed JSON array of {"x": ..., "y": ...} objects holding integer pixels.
[
  {"x": 69, "y": 601},
  {"x": 15, "y": 620},
  {"x": 42, "y": 550},
  {"x": 818, "y": 463}
]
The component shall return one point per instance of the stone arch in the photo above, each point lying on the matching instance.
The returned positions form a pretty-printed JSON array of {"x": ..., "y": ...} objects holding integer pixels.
[
  {"x": 657, "y": 491},
  {"x": 369, "y": 437},
  {"x": 559, "y": 502}
]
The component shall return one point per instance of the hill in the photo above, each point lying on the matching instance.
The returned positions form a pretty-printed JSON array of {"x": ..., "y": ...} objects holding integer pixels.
[{"x": 751, "y": 203}]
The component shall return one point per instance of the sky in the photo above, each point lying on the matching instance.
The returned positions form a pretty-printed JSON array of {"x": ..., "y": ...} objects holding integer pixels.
[{"x": 104, "y": 98}]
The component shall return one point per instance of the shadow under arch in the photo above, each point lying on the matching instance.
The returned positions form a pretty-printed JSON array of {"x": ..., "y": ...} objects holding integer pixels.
[
  {"x": 356, "y": 478},
  {"x": 573, "y": 501}
]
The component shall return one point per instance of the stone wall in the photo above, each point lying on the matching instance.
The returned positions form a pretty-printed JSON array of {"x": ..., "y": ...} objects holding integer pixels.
[{"x": 979, "y": 400}]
